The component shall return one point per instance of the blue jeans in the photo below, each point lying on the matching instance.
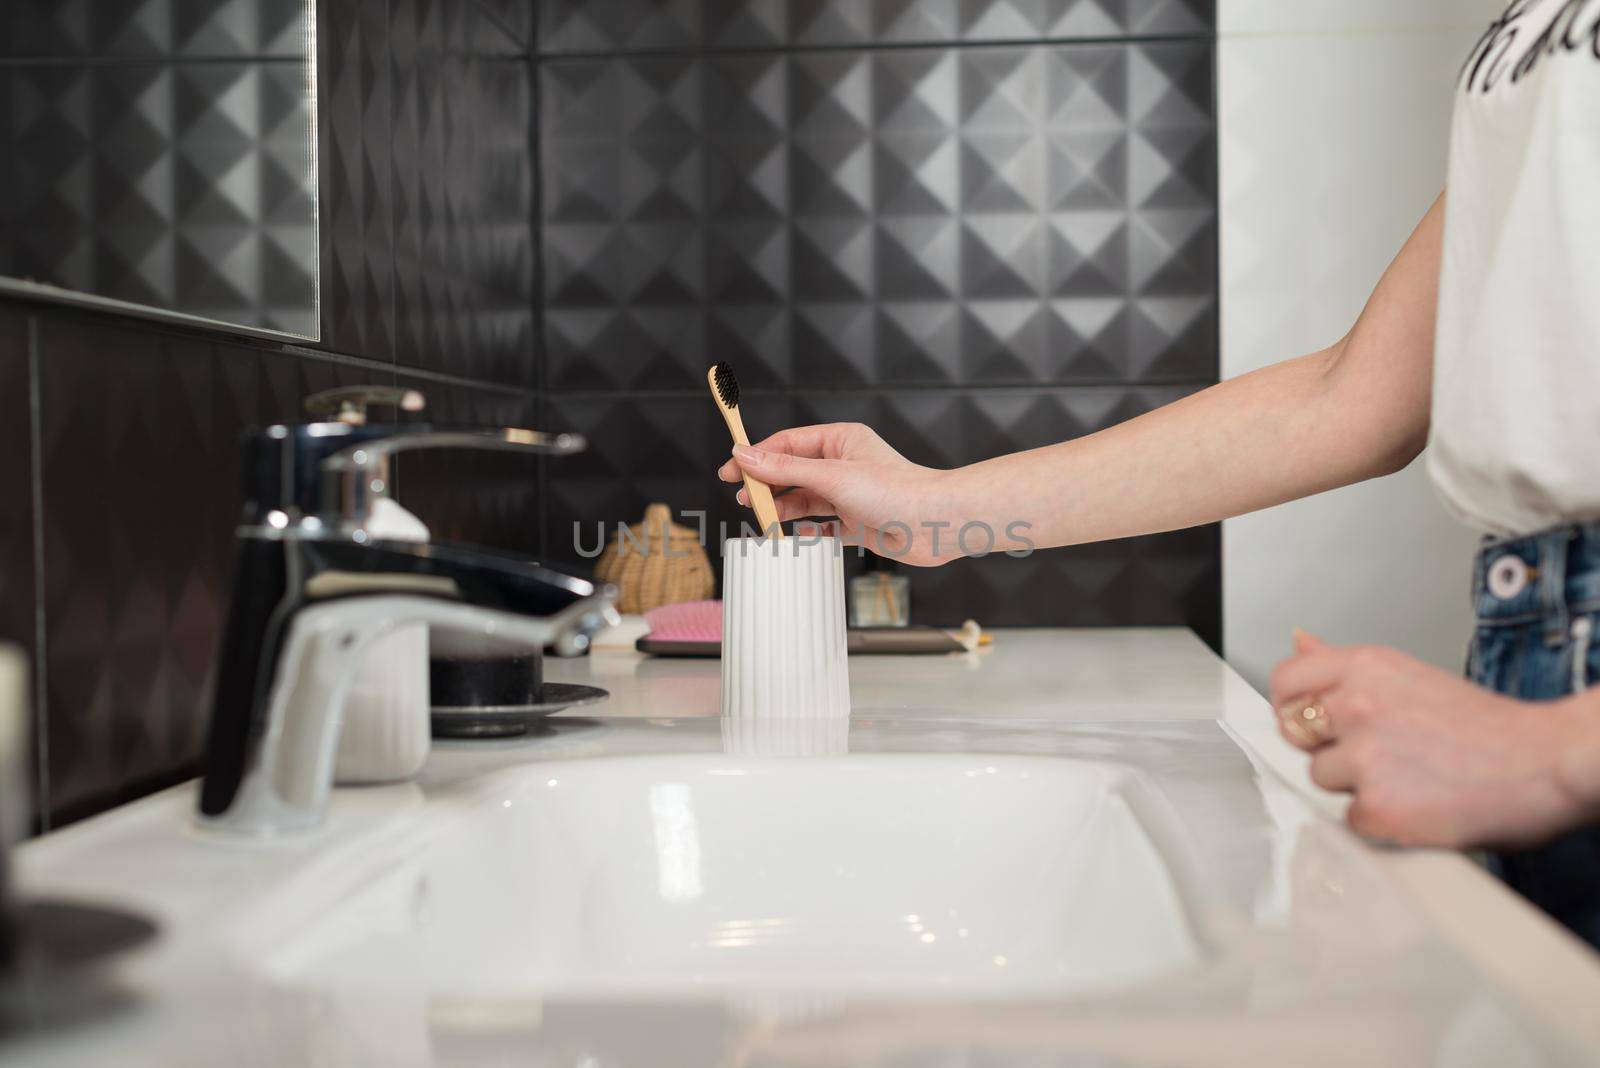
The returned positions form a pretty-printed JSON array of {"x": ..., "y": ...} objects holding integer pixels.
[{"x": 1537, "y": 600}]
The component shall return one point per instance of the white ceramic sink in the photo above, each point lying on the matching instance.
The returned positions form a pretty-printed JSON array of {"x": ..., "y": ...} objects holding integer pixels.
[{"x": 670, "y": 873}]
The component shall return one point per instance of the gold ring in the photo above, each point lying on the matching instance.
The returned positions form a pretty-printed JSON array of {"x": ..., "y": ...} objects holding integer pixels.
[{"x": 1309, "y": 722}]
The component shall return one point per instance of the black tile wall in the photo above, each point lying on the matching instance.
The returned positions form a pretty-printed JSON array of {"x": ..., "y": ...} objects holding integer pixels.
[
  {"x": 462, "y": 189},
  {"x": 568, "y": 26},
  {"x": 514, "y": 17},
  {"x": 16, "y": 517},
  {"x": 143, "y": 29},
  {"x": 165, "y": 182},
  {"x": 428, "y": 255},
  {"x": 139, "y": 485},
  {"x": 357, "y": 165},
  {"x": 857, "y": 217},
  {"x": 642, "y": 448},
  {"x": 975, "y": 226},
  {"x": 427, "y": 263},
  {"x": 474, "y": 497}
]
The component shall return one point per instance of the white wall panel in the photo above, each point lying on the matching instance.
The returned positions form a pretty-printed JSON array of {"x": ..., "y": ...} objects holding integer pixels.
[{"x": 1334, "y": 119}]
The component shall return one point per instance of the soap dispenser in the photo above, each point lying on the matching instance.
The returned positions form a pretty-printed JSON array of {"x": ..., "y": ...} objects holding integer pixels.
[{"x": 385, "y": 737}]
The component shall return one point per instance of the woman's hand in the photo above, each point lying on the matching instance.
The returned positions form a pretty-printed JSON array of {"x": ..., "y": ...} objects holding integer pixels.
[
  {"x": 1431, "y": 759},
  {"x": 882, "y": 500}
]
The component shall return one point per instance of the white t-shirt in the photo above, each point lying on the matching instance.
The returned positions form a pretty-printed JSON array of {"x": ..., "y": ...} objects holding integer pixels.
[{"x": 1516, "y": 395}]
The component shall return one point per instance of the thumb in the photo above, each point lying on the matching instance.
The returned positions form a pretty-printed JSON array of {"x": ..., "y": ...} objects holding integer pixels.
[
  {"x": 786, "y": 469},
  {"x": 1305, "y": 642}
]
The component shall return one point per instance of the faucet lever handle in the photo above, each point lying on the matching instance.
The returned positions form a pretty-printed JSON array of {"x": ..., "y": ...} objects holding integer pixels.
[
  {"x": 372, "y": 455},
  {"x": 348, "y": 404}
]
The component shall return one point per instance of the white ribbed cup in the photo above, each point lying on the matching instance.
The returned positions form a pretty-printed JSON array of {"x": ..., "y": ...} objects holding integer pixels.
[{"x": 784, "y": 652}]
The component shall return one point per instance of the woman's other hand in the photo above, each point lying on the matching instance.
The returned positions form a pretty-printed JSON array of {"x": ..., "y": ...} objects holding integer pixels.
[
  {"x": 1431, "y": 759},
  {"x": 882, "y": 500}
]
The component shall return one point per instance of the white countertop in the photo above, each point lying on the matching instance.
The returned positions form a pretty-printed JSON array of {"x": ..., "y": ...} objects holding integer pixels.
[
  {"x": 1142, "y": 674},
  {"x": 1145, "y": 696}
]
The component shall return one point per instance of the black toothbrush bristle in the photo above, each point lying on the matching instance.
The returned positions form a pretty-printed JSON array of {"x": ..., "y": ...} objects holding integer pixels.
[{"x": 727, "y": 384}]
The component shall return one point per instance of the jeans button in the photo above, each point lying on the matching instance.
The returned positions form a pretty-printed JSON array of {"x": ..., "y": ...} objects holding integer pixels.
[{"x": 1508, "y": 576}]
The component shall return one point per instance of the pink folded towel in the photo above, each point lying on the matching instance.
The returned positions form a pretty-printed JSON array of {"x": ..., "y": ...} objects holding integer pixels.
[{"x": 691, "y": 621}]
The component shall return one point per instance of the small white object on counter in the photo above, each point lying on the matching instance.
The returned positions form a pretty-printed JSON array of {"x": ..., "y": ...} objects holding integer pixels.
[
  {"x": 784, "y": 649},
  {"x": 387, "y": 731},
  {"x": 14, "y": 751},
  {"x": 623, "y": 636}
]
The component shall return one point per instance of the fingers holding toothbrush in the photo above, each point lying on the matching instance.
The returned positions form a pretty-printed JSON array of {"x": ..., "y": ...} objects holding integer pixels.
[{"x": 882, "y": 500}]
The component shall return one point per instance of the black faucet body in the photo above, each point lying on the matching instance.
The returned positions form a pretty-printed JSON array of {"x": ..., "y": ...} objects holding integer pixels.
[
  {"x": 277, "y": 577},
  {"x": 312, "y": 588}
]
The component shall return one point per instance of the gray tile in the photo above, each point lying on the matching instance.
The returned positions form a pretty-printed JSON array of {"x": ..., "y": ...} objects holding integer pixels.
[
  {"x": 140, "y": 482},
  {"x": 594, "y": 25},
  {"x": 356, "y": 117},
  {"x": 1165, "y": 580},
  {"x": 176, "y": 185},
  {"x": 463, "y": 213},
  {"x": 997, "y": 216},
  {"x": 467, "y": 497},
  {"x": 568, "y": 26},
  {"x": 141, "y": 488},
  {"x": 514, "y": 18},
  {"x": 164, "y": 29},
  {"x": 645, "y": 449}
]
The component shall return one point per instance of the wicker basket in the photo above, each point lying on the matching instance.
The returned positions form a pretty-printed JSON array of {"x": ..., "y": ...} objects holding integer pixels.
[{"x": 657, "y": 562}]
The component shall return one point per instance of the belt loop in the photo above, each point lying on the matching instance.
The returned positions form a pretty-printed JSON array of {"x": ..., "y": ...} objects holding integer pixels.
[{"x": 1553, "y": 584}]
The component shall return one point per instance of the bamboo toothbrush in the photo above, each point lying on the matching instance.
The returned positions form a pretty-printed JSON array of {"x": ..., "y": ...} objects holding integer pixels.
[{"x": 725, "y": 391}]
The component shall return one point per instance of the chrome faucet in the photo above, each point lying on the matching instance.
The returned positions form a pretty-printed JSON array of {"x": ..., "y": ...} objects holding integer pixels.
[{"x": 312, "y": 589}]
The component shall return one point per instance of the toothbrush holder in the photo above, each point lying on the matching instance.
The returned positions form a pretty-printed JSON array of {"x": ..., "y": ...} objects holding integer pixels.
[{"x": 784, "y": 651}]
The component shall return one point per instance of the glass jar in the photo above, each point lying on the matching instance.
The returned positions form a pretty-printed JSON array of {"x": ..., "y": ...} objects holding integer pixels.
[{"x": 880, "y": 598}]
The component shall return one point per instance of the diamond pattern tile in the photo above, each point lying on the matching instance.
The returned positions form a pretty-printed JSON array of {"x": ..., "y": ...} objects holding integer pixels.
[
  {"x": 910, "y": 217},
  {"x": 569, "y": 26},
  {"x": 973, "y": 250},
  {"x": 514, "y": 18},
  {"x": 183, "y": 185},
  {"x": 650, "y": 448},
  {"x": 624, "y": 235},
  {"x": 459, "y": 28},
  {"x": 357, "y": 179},
  {"x": 1170, "y": 579},
  {"x": 475, "y": 498},
  {"x": 133, "y": 424},
  {"x": 643, "y": 449},
  {"x": 165, "y": 29},
  {"x": 1166, "y": 580},
  {"x": 136, "y": 568},
  {"x": 463, "y": 213},
  {"x": 600, "y": 25}
]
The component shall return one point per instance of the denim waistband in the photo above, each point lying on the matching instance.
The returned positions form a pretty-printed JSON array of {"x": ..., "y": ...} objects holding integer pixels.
[{"x": 1561, "y": 567}]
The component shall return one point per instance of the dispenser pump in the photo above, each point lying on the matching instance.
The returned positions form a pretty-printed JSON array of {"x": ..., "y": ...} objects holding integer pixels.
[{"x": 386, "y": 736}]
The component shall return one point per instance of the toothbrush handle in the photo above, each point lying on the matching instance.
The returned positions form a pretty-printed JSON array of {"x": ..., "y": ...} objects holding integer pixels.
[{"x": 760, "y": 493}]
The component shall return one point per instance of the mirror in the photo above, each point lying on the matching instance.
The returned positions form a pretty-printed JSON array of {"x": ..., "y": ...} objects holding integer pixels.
[{"x": 158, "y": 157}]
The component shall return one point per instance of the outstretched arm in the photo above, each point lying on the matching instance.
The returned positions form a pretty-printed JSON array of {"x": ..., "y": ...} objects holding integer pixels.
[{"x": 1353, "y": 411}]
